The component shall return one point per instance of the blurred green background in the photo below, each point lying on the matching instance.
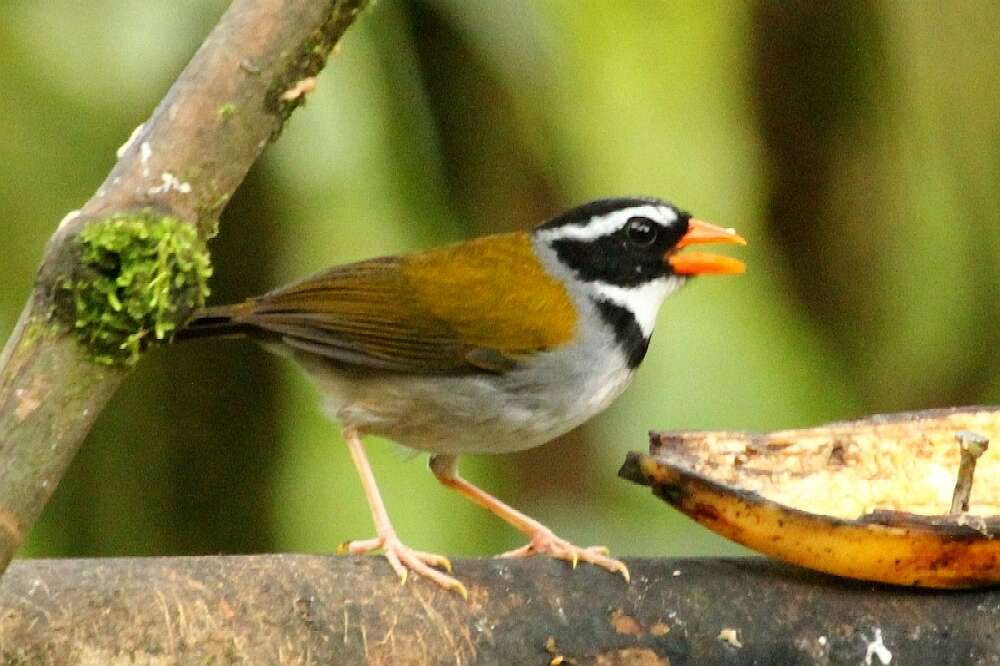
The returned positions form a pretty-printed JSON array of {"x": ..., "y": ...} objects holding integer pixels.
[{"x": 856, "y": 146}]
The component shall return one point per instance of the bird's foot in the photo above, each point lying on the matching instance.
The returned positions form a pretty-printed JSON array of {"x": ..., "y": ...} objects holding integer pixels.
[
  {"x": 544, "y": 541},
  {"x": 404, "y": 559}
]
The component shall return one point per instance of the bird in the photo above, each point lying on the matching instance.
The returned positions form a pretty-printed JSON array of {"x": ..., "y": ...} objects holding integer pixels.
[{"x": 487, "y": 346}]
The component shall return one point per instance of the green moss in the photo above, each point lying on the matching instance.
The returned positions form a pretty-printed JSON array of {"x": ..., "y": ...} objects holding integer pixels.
[
  {"x": 140, "y": 275},
  {"x": 37, "y": 329},
  {"x": 225, "y": 111}
]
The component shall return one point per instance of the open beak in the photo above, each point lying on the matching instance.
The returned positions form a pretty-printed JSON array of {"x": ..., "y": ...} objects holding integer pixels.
[{"x": 703, "y": 263}]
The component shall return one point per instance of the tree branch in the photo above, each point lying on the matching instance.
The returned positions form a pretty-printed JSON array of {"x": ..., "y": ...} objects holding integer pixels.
[
  {"x": 304, "y": 609},
  {"x": 148, "y": 223}
]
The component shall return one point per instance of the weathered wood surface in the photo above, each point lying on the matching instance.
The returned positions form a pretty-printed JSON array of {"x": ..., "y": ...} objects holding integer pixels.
[{"x": 298, "y": 609}]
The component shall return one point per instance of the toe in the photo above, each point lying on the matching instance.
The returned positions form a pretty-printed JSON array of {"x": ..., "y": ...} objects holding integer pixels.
[
  {"x": 602, "y": 560},
  {"x": 561, "y": 549},
  {"x": 445, "y": 581},
  {"x": 397, "y": 565},
  {"x": 414, "y": 560},
  {"x": 433, "y": 559},
  {"x": 360, "y": 546},
  {"x": 404, "y": 559},
  {"x": 526, "y": 550}
]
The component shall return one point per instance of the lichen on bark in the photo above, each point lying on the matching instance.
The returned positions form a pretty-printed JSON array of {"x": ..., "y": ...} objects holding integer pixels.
[{"x": 309, "y": 59}]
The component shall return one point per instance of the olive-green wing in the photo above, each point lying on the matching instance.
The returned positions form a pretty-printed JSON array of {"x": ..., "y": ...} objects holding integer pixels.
[{"x": 478, "y": 306}]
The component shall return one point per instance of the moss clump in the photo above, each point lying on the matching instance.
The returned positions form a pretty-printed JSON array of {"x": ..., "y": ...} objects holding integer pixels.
[
  {"x": 140, "y": 275},
  {"x": 225, "y": 111}
]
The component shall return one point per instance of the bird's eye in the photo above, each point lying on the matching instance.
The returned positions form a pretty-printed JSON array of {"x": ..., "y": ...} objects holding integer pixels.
[{"x": 641, "y": 231}]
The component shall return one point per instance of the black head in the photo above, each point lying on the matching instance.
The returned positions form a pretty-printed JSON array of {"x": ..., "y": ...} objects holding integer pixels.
[
  {"x": 623, "y": 255},
  {"x": 622, "y": 242}
]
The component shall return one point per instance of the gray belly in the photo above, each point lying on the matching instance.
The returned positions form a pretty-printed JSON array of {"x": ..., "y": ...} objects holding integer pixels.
[{"x": 477, "y": 413}]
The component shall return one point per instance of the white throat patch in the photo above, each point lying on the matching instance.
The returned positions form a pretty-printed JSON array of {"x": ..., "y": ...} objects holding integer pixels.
[{"x": 643, "y": 301}]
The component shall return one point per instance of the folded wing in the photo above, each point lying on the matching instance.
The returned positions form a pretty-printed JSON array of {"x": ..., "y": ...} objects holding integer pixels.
[{"x": 476, "y": 307}]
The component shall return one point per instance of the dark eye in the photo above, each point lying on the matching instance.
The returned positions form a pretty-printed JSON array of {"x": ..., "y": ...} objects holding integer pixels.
[{"x": 641, "y": 231}]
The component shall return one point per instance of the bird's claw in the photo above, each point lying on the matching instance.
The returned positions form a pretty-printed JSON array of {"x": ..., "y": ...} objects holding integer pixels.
[
  {"x": 548, "y": 543},
  {"x": 404, "y": 559}
]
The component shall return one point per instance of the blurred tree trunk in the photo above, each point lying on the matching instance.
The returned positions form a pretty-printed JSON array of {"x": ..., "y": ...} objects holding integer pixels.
[
  {"x": 223, "y": 459},
  {"x": 496, "y": 182},
  {"x": 191, "y": 471},
  {"x": 855, "y": 101},
  {"x": 815, "y": 67}
]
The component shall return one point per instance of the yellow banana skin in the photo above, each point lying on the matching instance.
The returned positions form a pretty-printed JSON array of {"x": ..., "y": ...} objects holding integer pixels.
[
  {"x": 888, "y": 547},
  {"x": 775, "y": 494}
]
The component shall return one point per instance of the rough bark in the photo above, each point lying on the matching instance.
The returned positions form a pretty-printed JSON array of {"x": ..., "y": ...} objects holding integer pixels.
[
  {"x": 184, "y": 162},
  {"x": 306, "y": 609}
]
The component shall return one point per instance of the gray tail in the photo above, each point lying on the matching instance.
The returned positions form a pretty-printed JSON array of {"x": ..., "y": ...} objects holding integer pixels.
[{"x": 217, "y": 321}]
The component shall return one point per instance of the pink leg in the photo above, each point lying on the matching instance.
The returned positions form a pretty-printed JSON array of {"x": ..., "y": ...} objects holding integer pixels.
[
  {"x": 445, "y": 468},
  {"x": 401, "y": 557}
]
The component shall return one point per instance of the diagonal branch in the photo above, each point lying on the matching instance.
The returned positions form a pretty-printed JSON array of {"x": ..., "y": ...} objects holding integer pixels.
[{"x": 126, "y": 269}]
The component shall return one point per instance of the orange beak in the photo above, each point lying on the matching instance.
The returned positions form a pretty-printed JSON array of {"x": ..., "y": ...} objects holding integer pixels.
[{"x": 703, "y": 263}]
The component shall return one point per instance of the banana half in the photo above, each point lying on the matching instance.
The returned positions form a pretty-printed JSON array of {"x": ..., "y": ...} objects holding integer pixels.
[{"x": 865, "y": 499}]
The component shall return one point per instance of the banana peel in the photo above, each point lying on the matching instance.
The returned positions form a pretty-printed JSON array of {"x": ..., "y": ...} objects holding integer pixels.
[{"x": 866, "y": 499}]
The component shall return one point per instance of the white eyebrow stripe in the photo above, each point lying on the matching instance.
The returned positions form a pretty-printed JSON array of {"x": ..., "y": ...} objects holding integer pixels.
[{"x": 606, "y": 225}]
